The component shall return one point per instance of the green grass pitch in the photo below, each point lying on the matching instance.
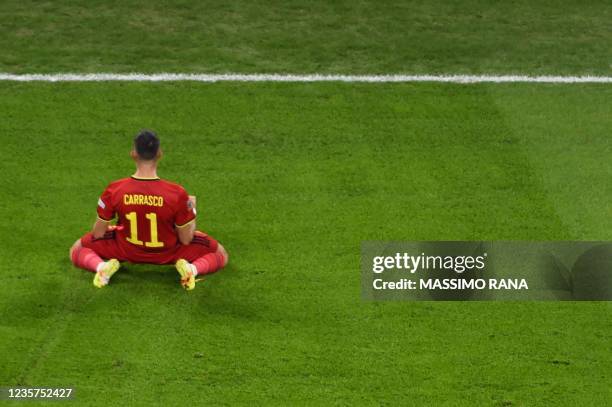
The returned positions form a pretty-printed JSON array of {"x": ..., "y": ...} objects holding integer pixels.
[{"x": 291, "y": 178}]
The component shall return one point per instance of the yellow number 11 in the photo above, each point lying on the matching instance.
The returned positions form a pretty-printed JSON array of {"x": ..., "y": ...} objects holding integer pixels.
[{"x": 152, "y": 216}]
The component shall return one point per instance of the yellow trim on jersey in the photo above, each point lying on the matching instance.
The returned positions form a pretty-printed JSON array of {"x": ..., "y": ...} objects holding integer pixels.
[
  {"x": 105, "y": 220},
  {"x": 185, "y": 224},
  {"x": 144, "y": 178}
]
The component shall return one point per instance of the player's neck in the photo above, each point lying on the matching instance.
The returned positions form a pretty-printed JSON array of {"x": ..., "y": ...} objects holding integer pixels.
[{"x": 146, "y": 170}]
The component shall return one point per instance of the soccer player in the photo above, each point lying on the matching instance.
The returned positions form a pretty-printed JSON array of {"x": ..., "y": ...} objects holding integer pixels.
[{"x": 156, "y": 223}]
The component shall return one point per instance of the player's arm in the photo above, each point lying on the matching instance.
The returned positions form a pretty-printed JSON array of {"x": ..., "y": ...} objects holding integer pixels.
[
  {"x": 99, "y": 228},
  {"x": 186, "y": 231},
  {"x": 106, "y": 213}
]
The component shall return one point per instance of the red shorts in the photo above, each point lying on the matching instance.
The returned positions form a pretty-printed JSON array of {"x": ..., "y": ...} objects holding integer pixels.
[{"x": 109, "y": 247}]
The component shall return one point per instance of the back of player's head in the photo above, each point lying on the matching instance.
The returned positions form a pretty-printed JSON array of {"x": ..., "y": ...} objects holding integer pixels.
[{"x": 146, "y": 144}]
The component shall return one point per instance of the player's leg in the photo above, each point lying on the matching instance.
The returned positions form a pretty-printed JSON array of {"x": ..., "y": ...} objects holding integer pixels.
[
  {"x": 204, "y": 255},
  {"x": 87, "y": 253},
  {"x": 211, "y": 262}
]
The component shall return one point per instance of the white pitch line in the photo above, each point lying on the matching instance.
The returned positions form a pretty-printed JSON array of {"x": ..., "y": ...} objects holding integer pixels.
[{"x": 233, "y": 77}]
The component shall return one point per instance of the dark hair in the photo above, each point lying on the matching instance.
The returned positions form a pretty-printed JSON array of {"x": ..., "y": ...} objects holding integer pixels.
[{"x": 146, "y": 144}]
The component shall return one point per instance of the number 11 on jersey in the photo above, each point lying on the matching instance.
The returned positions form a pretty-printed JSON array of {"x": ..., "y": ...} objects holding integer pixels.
[{"x": 133, "y": 238}]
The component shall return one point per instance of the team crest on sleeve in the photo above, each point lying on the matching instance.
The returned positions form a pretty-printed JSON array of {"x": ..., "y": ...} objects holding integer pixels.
[{"x": 101, "y": 203}]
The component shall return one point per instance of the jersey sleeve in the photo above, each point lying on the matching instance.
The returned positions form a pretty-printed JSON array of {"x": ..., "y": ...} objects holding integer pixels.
[
  {"x": 185, "y": 213},
  {"x": 105, "y": 206}
]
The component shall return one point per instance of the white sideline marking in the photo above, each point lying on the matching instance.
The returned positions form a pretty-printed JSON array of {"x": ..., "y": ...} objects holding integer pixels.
[{"x": 232, "y": 77}]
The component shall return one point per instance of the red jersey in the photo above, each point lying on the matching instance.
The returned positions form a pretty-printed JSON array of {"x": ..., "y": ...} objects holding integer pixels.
[{"x": 148, "y": 211}]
